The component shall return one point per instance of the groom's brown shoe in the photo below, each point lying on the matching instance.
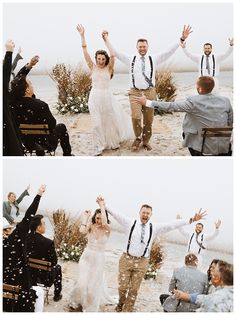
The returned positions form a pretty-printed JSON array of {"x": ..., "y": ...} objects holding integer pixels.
[
  {"x": 136, "y": 144},
  {"x": 118, "y": 308},
  {"x": 147, "y": 147}
]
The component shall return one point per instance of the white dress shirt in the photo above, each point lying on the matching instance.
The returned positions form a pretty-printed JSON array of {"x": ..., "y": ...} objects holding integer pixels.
[
  {"x": 194, "y": 247},
  {"x": 136, "y": 246},
  {"x": 218, "y": 59},
  {"x": 140, "y": 82}
]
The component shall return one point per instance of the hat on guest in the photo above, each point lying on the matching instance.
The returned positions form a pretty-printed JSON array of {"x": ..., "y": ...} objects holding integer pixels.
[{"x": 6, "y": 224}]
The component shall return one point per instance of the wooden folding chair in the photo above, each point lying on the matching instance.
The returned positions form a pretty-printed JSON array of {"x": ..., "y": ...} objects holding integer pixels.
[
  {"x": 11, "y": 292},
  {"x": 224, "y": 132},
  {"x": 35, "y": 139},
  {"x": 44, "y": 268}
]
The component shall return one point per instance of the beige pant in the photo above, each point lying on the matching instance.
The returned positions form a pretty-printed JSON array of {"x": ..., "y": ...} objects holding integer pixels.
[
  {"x": 138, "y": 112},
  {"x": 131, "y": 273}
]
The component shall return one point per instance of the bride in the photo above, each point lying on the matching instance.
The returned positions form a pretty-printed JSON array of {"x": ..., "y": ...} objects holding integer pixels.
[
  {"x": 111, "y": 124},
  {"x": 90, "y": 290}
]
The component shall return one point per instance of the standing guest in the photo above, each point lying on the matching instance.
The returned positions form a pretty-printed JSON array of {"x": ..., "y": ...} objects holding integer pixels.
[
  {"x": 41, "y": 247},
  {"x": 142, "y": 69},
  {"x": 12, "y": 145},
  {"x": 208, "y": 63},
  {"x": 205, "y": 110},
  {"x": 27, "y": 109},
  {"x": 133, "y": 263},
  {"x": 11, "y": 208},
  {"x": 197, "y": 240},
  {"x": 15, "y": 263},
  {"x": 188, "y": 279},
  {"x": 221, "y": 300},
  {"x": 111, "y": 125}
]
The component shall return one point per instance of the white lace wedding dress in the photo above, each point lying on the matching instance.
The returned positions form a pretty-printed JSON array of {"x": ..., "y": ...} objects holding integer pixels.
[
  {"x": 111, "y": 124},
  {"x": 90, "y": 289}
]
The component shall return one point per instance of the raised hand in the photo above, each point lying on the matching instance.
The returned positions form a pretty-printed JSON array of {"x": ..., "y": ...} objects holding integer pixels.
[
  {"x": 19, "y": 50},
  {"x": 100, "y": 200},
  {"x": 80, "y": 29},
  {"x": 199, "y": 215},
  {"x": 28, "y": 187},
  {"x": 41, "y": 190},
  {"x": 183, "y": 44},
  {"x": 10, "y": 45},
  {"x": 178, "y": 217},
  {"x": 186, "y": 31},
  {"x": 87, "y": 213},
  {"x": 231, "y": 41},
  {"x": 34, "y": 61},
  {"x": 105, "y": 35},
  {"x": 217, "y": 224}
]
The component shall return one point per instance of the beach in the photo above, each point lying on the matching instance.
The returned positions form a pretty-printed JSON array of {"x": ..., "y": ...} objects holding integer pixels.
[
  {"x": 167, "y": 129},
  {"x": 148, "y": 297}
]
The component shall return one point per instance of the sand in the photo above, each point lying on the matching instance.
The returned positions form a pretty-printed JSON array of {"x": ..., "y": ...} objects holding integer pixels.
[{"x": 167, "y": 130}]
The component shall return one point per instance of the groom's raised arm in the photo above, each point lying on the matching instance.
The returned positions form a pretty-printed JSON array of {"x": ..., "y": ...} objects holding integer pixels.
[{"x": 164, "y": 228}]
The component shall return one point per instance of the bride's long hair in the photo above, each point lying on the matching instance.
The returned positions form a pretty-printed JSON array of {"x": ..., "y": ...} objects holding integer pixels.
[{"x": 99, "y": 211}]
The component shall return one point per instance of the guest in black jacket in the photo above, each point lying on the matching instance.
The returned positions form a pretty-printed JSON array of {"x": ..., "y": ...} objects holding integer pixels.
[
  {"x": 41, "y": 247},
  {"x": 12, "y": 145},
  {"x": 29, "y": 110},
  {"x": 15, "y": 262}
]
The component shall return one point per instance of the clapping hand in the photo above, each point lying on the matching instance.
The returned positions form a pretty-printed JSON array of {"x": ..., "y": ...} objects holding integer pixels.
[
  {"x": 10, "y": 45},
  {"x": 186, "y": 31},
  {"x": 199, "y": 215},
  {"x": 80, "y": 29}
]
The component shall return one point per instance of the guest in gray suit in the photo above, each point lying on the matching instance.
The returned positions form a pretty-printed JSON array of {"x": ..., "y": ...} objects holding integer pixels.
[
  {"x": 11, "y": 207},
  {"x": 205, "y": 110},
  {"x": 188, "y": 279}
]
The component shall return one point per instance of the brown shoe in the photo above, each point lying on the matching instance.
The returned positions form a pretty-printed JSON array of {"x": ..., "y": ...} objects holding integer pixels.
[
  {"x": 147, "y": 146},
  {"x": 136, "y": 144},
  {"x": 118, "y": 308}
]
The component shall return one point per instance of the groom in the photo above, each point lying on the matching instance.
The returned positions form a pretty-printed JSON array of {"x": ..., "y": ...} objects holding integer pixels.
[
  {"x": 142, "y": 69},
  {"x": 133, "y": 263}
]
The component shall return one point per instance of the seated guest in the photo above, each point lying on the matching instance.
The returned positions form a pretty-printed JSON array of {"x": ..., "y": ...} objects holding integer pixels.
[
  {"x": 40, "y": 247},
  {"x": 212, "y": 266},
  {"x": 11, "y": 208},
  {"x": 221, "y": 300},
  {"x": 188, "y": 279},
  {"x": 29, "y": 110},
  {"x": 15, "y": 264},
  {"x": 205, "y": 110}
]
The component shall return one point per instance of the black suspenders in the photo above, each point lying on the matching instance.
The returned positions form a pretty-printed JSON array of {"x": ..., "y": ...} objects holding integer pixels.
[
  {"x": 130, "y": 235},
  {"x": 199, "y": 244},
  {"x": 132, "y": 70},
  {"x": 214, "y": 65}
]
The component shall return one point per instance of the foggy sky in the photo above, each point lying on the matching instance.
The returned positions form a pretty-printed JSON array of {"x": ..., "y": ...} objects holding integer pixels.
[
  {"x": 49, "y": 29},
  {"x": 171, "y": 186}
]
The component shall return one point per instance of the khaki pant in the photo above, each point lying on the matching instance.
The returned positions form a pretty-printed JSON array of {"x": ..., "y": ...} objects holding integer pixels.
[
  {"x": 138, "y": 112},
  {"x": 131, "y": 273}
]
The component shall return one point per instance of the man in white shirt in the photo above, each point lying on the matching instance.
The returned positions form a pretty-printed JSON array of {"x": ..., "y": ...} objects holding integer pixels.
[
  {"x": 142, "y": 69},
  {"x": 208, "y": 63},
  {"x": 197, "y": 240},
  {"x": 134, "y": 261}
]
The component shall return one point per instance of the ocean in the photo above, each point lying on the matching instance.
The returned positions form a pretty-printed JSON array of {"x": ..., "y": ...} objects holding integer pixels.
[{"x": 45, "y": 88}]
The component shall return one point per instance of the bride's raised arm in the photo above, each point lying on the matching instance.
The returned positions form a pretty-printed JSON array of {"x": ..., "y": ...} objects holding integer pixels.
[
  {"x": 85, "y": 222},
  {"x": 87, "y": 57},
  {"x": 104, "y": 218}
]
